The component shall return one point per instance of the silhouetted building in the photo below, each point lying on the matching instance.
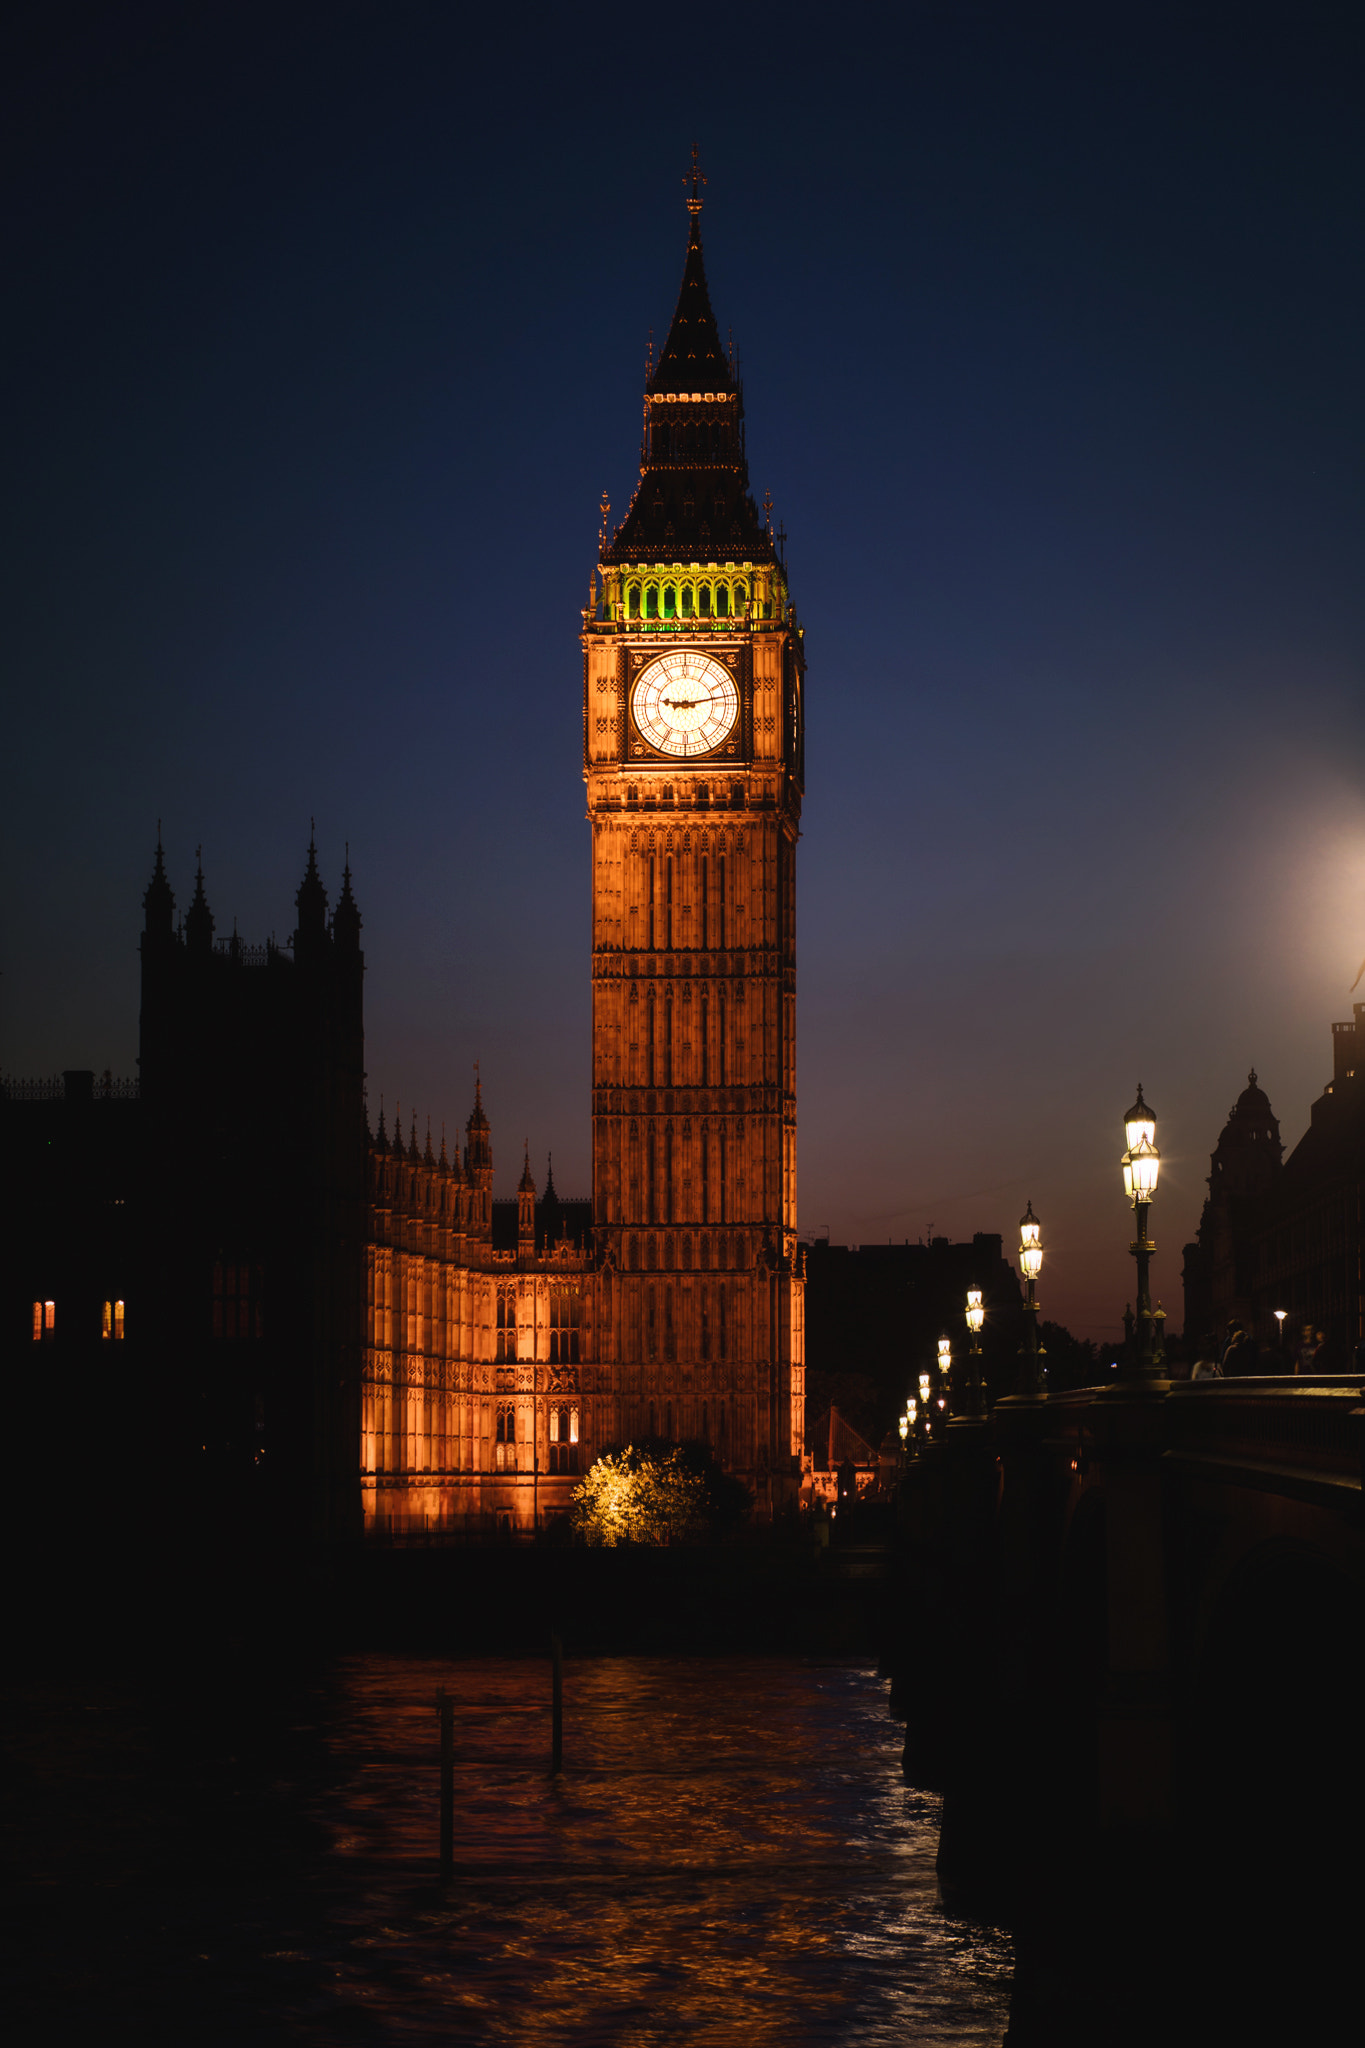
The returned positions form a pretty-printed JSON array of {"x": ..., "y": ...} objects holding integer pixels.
[
  {"x": 1288, "y": 1236},
  {"x": 1243, "y": 1173},
  {"x": 875, "y": 1313}
]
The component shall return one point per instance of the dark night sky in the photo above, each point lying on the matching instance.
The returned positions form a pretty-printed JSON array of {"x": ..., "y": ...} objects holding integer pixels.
[{"x": 325, "y": 332}]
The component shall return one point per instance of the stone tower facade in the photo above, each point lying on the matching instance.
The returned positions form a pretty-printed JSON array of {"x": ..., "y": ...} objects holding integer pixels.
[{"x": 693, "y": 760}]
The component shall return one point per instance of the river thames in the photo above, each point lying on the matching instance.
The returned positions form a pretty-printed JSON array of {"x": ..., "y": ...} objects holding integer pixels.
[{"x": 730, "y": 1855}]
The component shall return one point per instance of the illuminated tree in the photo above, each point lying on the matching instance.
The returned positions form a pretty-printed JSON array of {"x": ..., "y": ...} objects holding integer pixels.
[{"x": 664, "y": 1493}]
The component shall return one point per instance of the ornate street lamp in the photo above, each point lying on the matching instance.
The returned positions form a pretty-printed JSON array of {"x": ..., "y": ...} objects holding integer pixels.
[
  {"x": 945, "y": 1368},
  {"x": 1146, "y": 1351},
  {"x": 1031, "y": 1355},
  {"x": 976, "y": 1394},
  {"x": 908, "y": 1421},
  {"x": 926, "y": 1416}
]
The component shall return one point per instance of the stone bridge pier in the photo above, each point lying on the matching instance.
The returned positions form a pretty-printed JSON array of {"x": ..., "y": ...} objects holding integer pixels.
[{"x": 1130, "y": 1656}]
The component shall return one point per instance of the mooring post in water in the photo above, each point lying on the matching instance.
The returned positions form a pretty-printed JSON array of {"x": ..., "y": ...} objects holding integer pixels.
[
  {"x": 557, "y": 1709},
  {"x": 445, "y": 1707}
]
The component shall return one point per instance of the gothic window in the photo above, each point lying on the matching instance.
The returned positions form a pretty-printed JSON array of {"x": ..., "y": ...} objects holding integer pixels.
[
  {"x": 506, "y": 1446},
  {"x": 670, "y": 601},
  {"x": 741, "y": 597},
  {"x": 687, "y": 1251},
  {"x": 668, "y": 1168},
  {"x": 705, "y": 1323},
  {"x": 687, "y": 600},
  {"x": 722, "y": 597},
  {"x": 704, "y": 601},
  {"x": 650, "y": 940},
  {"x": 566, "y": 1322},
  {"x": 668, "y": 1031},
  {"x": 722, "y": 1329},
  {"x": 651, "y": 1251},
  {"x": 724, "y": 1151},
  {"x": 563, "y": 1439},
  {"x": 651, "y": 1326},
  {"x": 633, "y": 1253},
  {"x": 668, "y": 901},
  {"x": 652, "y": 1174},
  {"x": 633, "y": 601},
  {"x": 652, "y": 601},
  {"x": 112, "y": 1325},
  {"x": 649, "y": 1035},
  {"x": 670, "y": 1348},
  {"x": 720, "y": 902},
  {"x": 705, "y": 1018},
  {"x": 506, "y": 1336},
  {"x": 237, "y": 1292},
  {"x": 704, "y": 1254}
]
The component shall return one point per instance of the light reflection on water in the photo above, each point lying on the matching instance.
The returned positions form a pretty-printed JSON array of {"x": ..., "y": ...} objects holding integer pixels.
[{"x": 730, "y": 1856}]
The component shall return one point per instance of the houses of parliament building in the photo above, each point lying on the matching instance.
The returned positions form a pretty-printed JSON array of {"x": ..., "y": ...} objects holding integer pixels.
[{"x": 336, "y": 1329}]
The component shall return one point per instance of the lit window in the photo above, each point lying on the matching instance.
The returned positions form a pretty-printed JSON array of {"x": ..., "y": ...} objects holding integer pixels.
[
  {"x": 118, "y": 1321},
  {"x": 652, "y": 601},
  {"x": 107, "y": 1325},
  {"x": 49, "y": 1317},
  {"x": 633, "y": 600},
  {"x": 670, "y": 601},
  {"x": 704, "y": 601},
  {"x": 37, "y": 1322},
  {"x": 722, "y": 601}
]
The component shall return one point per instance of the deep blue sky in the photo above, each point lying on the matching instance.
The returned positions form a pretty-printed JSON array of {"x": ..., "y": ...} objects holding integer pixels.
[{"x": 325, "y": 333}]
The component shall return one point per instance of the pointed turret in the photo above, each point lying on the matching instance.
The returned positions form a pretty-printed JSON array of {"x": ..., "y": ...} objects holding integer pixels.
[
  {"x": 428, "y": 1156},
  {"x": 199, "y": 918},
  {"x": 692, "y": 358},
  {"x": 158, "y": 903},
  {"x": 346, "y": 916},
  {"x": 478, "y": 1160},
  {"x": 526, "y": 1209},
  {"x": 312, "y": 905},
  {"x": 381, "y": 1141},
  {"x": 692, "y": 502}
]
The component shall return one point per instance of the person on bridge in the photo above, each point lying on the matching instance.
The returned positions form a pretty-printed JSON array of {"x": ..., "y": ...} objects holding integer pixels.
[
  {"x": 1206, "y": 1369},
  {"x": 1239, "y": 1353},
  {"x": 1307, "y": 1352}
]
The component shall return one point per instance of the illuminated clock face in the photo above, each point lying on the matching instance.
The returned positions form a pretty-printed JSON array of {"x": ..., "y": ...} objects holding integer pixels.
[{"x": 685, "y": 703}]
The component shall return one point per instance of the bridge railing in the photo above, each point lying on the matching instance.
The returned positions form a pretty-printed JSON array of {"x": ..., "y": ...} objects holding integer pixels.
[{"x": 1311, "y": 1424}]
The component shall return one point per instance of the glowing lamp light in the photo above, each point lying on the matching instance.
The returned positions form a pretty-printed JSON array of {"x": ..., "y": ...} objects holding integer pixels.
[
  {"x": 911, "y": 1411},
  {"x": 945, "y": 1356},
  {"x": 924, "y": 1388},
  {"x": 976, "y": 1314},
  {"x": 904, "y": 1427},
  {"x": 1141, "y": 1168},
  {"x": 1030, "y": 1244},
  {"x": 1139, "y": 1124}
]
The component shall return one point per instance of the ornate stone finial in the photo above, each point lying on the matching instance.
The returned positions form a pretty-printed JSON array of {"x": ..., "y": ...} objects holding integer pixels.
[
  {"x": 602, "y": 525},
  {"x": 1251, "y": 1078},
  {"x": 695, "y": 177}
]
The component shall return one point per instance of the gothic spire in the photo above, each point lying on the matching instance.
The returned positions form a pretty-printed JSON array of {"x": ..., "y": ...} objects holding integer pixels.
[
  {"x": 346, "y": 916},
  {"x": 312, "y": 897},
  {"x": 692, "y": 359},
  {"x": 693, "y": 500},
  {"x": 158, "y": 902},
  {"x": 199, "y": 918},
  {"x": 527, "y": 1184}
]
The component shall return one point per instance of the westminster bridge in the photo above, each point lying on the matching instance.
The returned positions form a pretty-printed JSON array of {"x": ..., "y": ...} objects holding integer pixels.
[{"x": 1129, "y": 1655}]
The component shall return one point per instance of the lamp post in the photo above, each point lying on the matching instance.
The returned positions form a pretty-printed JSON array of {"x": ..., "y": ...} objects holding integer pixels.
[
  {"x": 1031, "y": 1354},
  {"x": 1280, "y": 1314},
  {"x": 1146, "y": 1352},
  {"x": 945, "y": 1371},
  {"x": 976, "y": 1393},
  {"x": 926, "y": 1416},
  {"x": 908, "y": 1430}
]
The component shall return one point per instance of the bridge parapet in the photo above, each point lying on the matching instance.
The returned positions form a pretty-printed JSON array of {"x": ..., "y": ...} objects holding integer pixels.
[{"x": 1273, "y": 1433}]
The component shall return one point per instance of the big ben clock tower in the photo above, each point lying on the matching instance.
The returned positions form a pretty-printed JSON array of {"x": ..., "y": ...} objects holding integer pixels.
[{"x": 692, "y": 730}]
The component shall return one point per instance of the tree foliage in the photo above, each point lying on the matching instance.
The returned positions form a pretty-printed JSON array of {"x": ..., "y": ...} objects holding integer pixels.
[{"x": 656, "y": 1493}]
